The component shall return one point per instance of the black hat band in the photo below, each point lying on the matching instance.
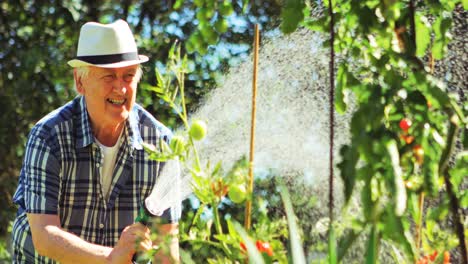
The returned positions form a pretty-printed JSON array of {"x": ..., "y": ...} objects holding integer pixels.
[{"x": 111, "y": 58}]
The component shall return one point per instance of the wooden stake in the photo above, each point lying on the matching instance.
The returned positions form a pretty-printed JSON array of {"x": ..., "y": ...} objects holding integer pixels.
[{"x": 248, "y": 207}]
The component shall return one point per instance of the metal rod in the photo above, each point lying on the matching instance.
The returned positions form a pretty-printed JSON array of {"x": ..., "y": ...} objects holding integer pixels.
[{"x": 248, "y": 207}]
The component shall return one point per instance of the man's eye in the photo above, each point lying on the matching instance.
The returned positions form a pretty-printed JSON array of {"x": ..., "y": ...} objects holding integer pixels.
[
  {"x": 108, "y": 78},
  {"x": 129, "y": 77}
]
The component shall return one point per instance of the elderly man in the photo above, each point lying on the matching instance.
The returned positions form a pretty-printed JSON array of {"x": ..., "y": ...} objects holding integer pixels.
[{"x": 85, "y": 173}]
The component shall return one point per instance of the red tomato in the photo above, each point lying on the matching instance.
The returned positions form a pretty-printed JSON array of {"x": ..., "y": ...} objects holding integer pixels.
[
  {"x": 405, "y": 124},
  {"x": 242, "y": 246},
  {"x": 408, "y": 139},
  {"x": 446, "y": 257},
  {"x": 433, "y": 256},
  {"x": 264, "y": 247}
]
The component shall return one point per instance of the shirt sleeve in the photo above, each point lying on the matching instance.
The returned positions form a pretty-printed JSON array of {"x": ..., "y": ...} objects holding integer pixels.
[{"x": 41, "y": 177}]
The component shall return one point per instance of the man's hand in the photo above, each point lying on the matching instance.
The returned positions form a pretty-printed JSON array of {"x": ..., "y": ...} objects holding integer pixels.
[
  {"x": 51, "y": 241},
  {"x": 134, "y": 238},
  {"x": 171, "y": 232}
]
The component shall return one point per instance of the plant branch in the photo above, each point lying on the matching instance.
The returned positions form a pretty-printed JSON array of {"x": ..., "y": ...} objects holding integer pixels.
[
  {"x": 197, "y": 216},
  {"x": 454, "y": 203},
  {"x": 412, "y": 25}
]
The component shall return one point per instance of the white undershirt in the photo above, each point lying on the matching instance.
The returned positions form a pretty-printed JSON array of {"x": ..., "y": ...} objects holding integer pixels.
[{"x": 109, "y": 155}]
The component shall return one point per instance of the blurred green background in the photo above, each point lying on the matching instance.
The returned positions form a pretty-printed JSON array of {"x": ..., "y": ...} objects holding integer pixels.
[{"x": 37, "y": 39}]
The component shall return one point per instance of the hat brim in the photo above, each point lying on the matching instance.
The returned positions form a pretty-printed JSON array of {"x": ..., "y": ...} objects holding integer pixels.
[{"x": 79, "y": 63}]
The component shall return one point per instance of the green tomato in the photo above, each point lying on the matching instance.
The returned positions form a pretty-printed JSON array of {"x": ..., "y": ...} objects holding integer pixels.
[
  {"x": 198, "y": 130},
  {"x": 237, "y": 193},
  {"x": 221, "y": 25},
  {"x": 177, "y": 145},
  {"x": 209, "y": 34}
]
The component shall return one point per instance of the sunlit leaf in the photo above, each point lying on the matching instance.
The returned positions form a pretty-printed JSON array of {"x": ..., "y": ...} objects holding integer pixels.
[
  {"x": 440, "y": 28},
  {"x": 372, "y": 246},
  {"x": 178, "y": 4},
  {"x": 332, "y": 247},
  {"x": 423, "y": 34},
  {"x": 400, "y": 190},
  {"x": 292, "y": 14},
  {"x": 298, "y": 255},
  {"x": 321, "y": 24}
]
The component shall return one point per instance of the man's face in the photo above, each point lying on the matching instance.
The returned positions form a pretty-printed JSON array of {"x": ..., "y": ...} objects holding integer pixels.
[{"x": 109, "y": 93}]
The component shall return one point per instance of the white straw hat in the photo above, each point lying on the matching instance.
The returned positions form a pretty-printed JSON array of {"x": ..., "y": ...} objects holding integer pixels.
[{"x": 107, "y": 46}]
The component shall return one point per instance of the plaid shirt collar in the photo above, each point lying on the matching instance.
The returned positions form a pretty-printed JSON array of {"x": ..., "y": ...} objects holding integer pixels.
[{"x": 85, "y": 136}]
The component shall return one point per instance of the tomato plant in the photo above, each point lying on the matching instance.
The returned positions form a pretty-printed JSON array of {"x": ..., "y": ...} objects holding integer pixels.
[{"x": 215, "y": 238}]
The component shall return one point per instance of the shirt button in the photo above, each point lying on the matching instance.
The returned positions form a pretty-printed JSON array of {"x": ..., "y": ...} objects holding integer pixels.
[{"x": 101, "y": 225}]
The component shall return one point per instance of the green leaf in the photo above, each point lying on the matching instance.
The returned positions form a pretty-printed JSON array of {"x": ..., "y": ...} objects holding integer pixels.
[
  {"x": 400, "y": 190},
  {"x": 322, "y": 24},
  {"x": 394, "y": 229},
  {"x": 346, "y": 242},
  {"x": 441, "y": 37},
  {"x": 438, "y": 50},
  {"x": 160, "y": 80},
  {"x": 245, "y": 5},
  {"x": 340, "y": 99},
  {"x": 347, "y": 167},
  {"x": 423, "y": 34},
  {"x": 465, "y": 4},
  {"x": 332, "y": 254},
  {"x": 225, "y": 9},
  {"x": 372, "y": 246},
  {"x": 464, "y": 199},
  {"x": 178, "y": 4},
  {"x": 296, "y": 245},
  {"x": 291, "y": 15},
  {"x": 460, "y": 170}
]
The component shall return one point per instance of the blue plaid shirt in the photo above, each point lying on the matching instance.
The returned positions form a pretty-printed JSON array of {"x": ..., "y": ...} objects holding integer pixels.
[{"x": 61, "y": 176}]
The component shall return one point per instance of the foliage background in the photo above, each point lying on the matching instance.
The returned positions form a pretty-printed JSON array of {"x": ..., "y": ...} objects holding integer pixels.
[{"x": 37, "y": 38}]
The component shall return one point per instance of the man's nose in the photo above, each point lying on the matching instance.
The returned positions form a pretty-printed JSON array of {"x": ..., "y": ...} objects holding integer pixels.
[{"x": 120, "y": 86}]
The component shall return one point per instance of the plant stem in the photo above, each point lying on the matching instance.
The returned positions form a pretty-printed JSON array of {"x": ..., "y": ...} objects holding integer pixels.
[
  {"x": 208, "y": 242},
  {"x": 217, "y": 222},
  {"x": 182, "y": 94},
  {"x": 418, "y": 236},
  {"x": 454, "y": 203},
  {"x": 219, "y": 229},
  {"x": 197, "y": 216},
  {"x": 195, "y": 153},
  {"x": 412, "y": 26}
]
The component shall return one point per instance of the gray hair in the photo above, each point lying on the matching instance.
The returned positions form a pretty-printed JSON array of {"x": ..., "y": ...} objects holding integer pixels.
[{"x": 83, "y": 72}]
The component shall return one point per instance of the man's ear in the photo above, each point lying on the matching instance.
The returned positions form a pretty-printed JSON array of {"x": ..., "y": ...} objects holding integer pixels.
[{"x": 78, "y": 83}]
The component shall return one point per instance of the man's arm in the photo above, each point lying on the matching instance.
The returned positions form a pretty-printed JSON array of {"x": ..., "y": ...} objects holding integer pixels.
[
  {"x": 167, "y": 233},
  {"x": 52, "y": 241}
]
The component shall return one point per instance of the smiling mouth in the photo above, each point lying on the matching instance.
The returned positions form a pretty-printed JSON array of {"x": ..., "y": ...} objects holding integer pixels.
[{"x": 117, "y": 101}]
